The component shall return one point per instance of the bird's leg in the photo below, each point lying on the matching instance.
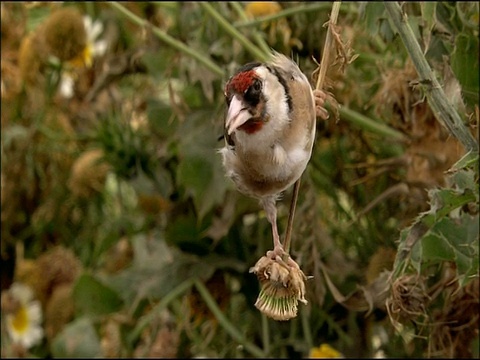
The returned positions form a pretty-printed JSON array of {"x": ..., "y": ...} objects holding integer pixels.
[
  {"x": 320, "y": 96},
  {"x": 271, "y": 211},
  {"x": 278, "y": 251}
]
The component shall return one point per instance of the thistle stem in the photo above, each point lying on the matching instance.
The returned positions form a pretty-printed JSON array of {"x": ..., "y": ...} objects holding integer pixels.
[{"x": 438, "y": 101}]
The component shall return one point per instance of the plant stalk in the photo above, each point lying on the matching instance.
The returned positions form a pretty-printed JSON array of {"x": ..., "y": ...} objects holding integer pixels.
[
  {"x": 438, "y": 101},
  {"x": 285, "y": 13},
  {"x": 247, "y": 44},
  {"x": 162, "y": 35},
  {"x": 321, "y": 76},
  {"x": 227, "y": 325},
  {"x": 256, "y": 35},
  {"x": 327, "y": 47}
]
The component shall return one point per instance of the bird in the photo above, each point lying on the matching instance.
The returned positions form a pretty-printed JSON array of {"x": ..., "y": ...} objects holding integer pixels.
[{"x": 269, "y": 132}]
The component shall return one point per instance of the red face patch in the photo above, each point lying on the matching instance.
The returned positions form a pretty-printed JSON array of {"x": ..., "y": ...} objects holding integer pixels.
[{"x": 241, "y": 82}]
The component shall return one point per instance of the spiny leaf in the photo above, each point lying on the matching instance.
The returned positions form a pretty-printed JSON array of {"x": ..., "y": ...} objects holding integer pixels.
[{"x": 92, "y": 297}]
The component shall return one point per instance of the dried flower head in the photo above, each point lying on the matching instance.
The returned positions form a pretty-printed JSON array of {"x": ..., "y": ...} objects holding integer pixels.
[
  {"x": 262, "y": 8},
  {"x": 282, "y": 287},
  {"x": 65, "y": 34},
  {"x": 324, "y": 351},
  {"x": 408, "y": 299},
  {"x": 56, "y": 267}
]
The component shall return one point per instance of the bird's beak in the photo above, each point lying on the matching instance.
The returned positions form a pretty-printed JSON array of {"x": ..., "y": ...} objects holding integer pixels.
[{"x": 237, "y": 115}]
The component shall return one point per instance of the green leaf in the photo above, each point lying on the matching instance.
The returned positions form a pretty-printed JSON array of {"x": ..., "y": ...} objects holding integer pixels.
[
  {"x": 470, "y": 159},
  {"x": 92, "y": 297},
  {"x": 374, "y": 11},
  {"x": 36, "y": 16},
  {"x": 77, "y": 340},
  {"x": 156, "y": 270},
  {"x": 429, "y": 17},
  {"x": 186, "y": 232},
  {"x": 160, "y": 118},
  {"x": 195, "y": 172},
  {"x": 465, "y": 65},
  {"x": 454, "y": 240},
  {"x": 200, "y": 170},
  {"x": 444, "y": 201},
  {"x": 465, "y": 181}
]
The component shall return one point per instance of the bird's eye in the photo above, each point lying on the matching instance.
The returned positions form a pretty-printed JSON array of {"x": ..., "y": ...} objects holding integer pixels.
[
  {"x": 257, "y": 86},
  {"x": 252, "y": 95}
]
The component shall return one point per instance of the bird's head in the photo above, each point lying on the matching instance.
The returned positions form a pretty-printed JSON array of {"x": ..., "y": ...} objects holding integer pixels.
[{"x": 260, "y": 93}]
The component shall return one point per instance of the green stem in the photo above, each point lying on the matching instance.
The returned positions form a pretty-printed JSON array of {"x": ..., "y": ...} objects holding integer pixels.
[
  {"x": 370, "y": 125},
  {"x": 256, "y": 35},
  {"x": 227, "y": 325},
  {"x": 147, "y": 319},
  {"x": 162, "y": 35},
  {"x": 284, "y": 13},
  {"x": 306, "y": 328},
  {"x": 265, "y": 335},
  {"x": 438, "y": 101},
  {"x": 247, "y": 44}
]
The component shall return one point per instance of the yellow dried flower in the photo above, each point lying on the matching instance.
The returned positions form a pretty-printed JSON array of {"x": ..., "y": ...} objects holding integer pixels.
[
  {"x": 65, "y": 33},
  {"x": 324, "y": 351},
  {"x": 282, "y": 287},
  {"x": 262, "y": 8}
]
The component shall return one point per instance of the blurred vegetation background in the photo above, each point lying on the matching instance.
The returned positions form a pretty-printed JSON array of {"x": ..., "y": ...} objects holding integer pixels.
[{"x": 121, "y": 236}]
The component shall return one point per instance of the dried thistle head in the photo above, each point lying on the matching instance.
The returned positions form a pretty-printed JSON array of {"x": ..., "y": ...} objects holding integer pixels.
[
  {"x": 455, "y": 325},
  {"x": 65, "y": 34},
  {"x": 56, "y": 267},
  {"x": 408, "y": 299},
  {"x": 282, "y": 287}
]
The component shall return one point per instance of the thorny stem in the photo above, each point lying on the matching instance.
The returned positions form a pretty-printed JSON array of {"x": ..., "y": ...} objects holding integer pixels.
[{"x": 442, "y": 108}]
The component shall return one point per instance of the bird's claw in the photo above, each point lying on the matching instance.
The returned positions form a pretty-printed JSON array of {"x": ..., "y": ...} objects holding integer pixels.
[
  {"x": 320, "y": 97},
  {"x": 279, "y": 255}
]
